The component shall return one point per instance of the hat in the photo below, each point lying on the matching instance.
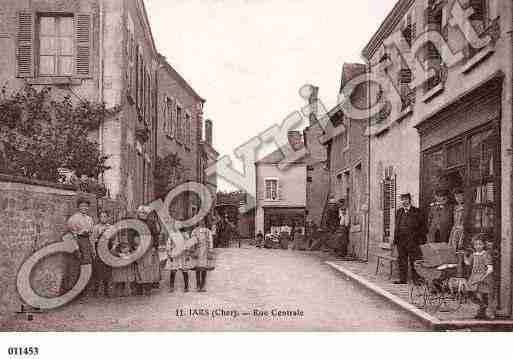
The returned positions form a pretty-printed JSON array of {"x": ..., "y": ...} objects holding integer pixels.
[{"x": 406, "y": 195}]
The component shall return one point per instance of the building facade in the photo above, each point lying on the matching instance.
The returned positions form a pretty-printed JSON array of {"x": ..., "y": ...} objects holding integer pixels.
[
  {"x": 180, "y": 134},
  {"x": 280, "y": 193},
  {"x": 317, "y": 181},
  {"x": 452, "y": 131},
  {"x": 95, "y": 50},
  {"x": 348, "y": 163}
]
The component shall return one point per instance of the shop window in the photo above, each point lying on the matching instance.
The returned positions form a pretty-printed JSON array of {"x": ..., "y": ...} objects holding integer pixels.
[
  {"x": 357, "y": 194},
  {"x": 455, "y": 155}
]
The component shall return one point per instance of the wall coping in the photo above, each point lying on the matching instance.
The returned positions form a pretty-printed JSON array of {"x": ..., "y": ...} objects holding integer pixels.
[{"x": 49, "y": 187}]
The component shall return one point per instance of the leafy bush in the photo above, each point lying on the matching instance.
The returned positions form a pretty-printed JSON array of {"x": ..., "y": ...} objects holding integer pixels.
[{"x": 38, "y": 135}]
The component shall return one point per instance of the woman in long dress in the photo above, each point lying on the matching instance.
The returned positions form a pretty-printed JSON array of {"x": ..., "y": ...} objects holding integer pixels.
[
  {"x": 80, "y": 225},
  {"x": 148, "y": 267},
  {"x": 202, "y": 236}
]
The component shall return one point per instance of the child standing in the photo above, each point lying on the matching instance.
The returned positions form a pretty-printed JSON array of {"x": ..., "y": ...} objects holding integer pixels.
[
  {"x": 123, "y": 277},
  {"x": 480, "y": 280},
  {"x": 202, "y": 236},
  {"x": 178, "y": 260}
]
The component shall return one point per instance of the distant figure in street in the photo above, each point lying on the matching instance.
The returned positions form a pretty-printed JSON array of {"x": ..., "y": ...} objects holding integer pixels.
[
  {"x": 408, "y": 236},
  {"x": 259, "y": 239},
  {"x": 101, "y": 271},
  {"x": 202, "y": 236}
]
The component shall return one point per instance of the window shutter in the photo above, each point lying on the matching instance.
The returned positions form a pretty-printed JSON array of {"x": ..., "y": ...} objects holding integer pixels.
[
  {"x": 479, "y": 10},
  {"x": 381, "y": 194},
  {"x": 165, "y": 126},
  {"x": 279, "y": 190},
  {"x": 25, "y": 53},
  {"x": 393, "y": 191},
  {"x": 83, "y": 45}
]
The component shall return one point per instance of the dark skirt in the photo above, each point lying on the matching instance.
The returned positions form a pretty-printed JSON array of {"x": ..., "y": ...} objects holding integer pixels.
[
  {"x": 86, "y": 249},
  {"x": 101, "y": 271}
]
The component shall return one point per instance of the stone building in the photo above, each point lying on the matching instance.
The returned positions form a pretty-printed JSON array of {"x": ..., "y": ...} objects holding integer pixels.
[
  {"x": 317, "y": 184},
  {"x": 452, "y": 130},
  {"x": 348, "y": 163},
  {"x": 96, "y": 50},
  {"x": 281, "y": 193},
  {"x": 180, "y": 133}
]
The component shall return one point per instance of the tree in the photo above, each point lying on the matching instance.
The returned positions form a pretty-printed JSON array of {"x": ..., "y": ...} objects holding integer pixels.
[
  {"x": 39, "y": 136},
  {"x": 169, "y": 172}
]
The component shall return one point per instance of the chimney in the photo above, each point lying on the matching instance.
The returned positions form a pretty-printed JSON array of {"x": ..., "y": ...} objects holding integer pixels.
[
  {"x": 296, "y": 140},
  {"x": 208, "y": 132},
  {"x": 313, "y": 101}
]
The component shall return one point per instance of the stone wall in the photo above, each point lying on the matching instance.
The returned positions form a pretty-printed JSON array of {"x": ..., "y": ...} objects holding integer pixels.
[{"x": 33, "y": 214}]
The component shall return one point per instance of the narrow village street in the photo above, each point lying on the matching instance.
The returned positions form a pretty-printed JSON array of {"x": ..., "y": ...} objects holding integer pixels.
[{"x": 245, "y": 280}]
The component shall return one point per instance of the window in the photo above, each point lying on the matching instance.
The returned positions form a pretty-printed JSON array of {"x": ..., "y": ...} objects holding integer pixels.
[
  {"x": 410, "y": 28},
  {"x": 479, "y": 7},
  {"x": 357, "y": 194},
  {"x": 188, "y": 134},
  {"x": 55, "y": 46},
  {"x": 271, "y": 189},
  {"x": 169, "y": 111},
  {"x": 179, "y": 124}
]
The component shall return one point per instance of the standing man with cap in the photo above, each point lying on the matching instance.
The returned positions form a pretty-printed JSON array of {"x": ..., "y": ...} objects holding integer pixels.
[{"x": 408, "y": 236}]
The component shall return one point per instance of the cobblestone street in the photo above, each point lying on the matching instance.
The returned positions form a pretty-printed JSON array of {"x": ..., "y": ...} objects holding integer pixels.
[{"x": 245, "y": 280}]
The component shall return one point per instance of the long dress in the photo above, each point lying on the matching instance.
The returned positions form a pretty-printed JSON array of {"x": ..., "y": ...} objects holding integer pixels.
[
  {"x": 125, "y": 274},
  {"x": 457, "y": 231},
  {"x": 101, "y": 271},
  {"x": 477, "y": 281},
  {"x": 203, "y": 237},
  {"x": 148, "y": 266},
  {"x": 178, "y": 261}
]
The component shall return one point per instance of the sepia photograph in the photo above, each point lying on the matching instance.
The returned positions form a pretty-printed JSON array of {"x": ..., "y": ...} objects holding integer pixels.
[{"x": 257, "y": 166}]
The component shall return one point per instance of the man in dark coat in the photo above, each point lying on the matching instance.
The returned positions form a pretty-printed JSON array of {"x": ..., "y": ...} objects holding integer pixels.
[{"x": 409, "y": 235}]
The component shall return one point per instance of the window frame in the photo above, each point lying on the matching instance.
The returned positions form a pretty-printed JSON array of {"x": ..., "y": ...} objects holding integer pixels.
[
  {"x": 37, "y": 43},
  {"x": 277, "y": 181}
]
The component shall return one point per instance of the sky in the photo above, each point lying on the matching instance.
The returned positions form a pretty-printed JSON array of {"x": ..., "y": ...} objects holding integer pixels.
[{"x": 249, "y": 58}]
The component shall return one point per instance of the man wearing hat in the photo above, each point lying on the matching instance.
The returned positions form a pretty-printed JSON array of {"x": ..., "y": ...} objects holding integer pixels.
[
  {"x": 409, "y": 235},
  {"x": 440, "y": 218}
]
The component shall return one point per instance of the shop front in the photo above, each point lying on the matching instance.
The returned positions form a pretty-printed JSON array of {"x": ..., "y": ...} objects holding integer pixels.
[
  {"x": 276, "y": 219},
  {"x": 461, "y": 150}
]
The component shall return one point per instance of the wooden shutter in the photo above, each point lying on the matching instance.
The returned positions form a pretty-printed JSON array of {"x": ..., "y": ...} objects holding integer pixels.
[
  {"x": 381, "y": 195},
  {"x": 165, "y": 125},
  {"x": 25, "y": 51},
  {"x": 83, "y": 45},
  {"x": 479, "y": 7},
  {"x": 279, "y": 190}
]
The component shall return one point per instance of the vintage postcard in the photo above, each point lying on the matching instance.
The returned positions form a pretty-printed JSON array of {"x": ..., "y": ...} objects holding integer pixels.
[{"x": 261, "y": 166}]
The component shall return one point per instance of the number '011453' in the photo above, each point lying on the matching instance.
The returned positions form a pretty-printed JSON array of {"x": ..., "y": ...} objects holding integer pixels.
[{"x": 22, "y": 351}]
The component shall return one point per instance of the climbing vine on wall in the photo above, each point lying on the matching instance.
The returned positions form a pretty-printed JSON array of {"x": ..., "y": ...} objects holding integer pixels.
[{"x": 40, "y": 136}]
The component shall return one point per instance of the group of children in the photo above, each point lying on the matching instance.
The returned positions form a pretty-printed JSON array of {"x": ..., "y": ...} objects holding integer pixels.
[{"x": 195, "y": 255}]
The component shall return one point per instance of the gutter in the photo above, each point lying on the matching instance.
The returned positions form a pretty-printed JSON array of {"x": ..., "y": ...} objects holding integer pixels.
[{"x": 101, "y": 78}]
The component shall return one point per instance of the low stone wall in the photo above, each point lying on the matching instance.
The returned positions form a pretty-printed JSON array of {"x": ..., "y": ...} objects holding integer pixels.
[{"x": 33, "y": 214}]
